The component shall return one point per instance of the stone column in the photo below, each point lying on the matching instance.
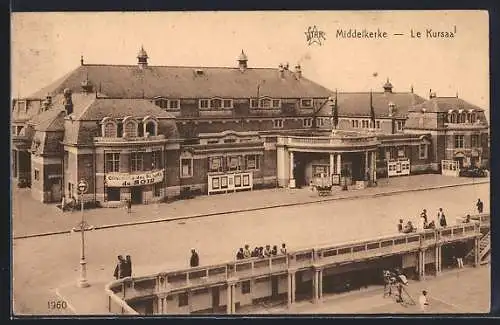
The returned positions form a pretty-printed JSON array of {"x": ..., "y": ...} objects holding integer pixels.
[
  {"x": 229, "y": 302},
  {"x": 281, "y": 166},
  {"x": 366, "y": 165},
  {"x": 317, "y": 285},
  {"x": 233, "y": 298},
  {"x": 374, "y": 166},
  {"x": 332, "y": 165},
  {"x": 438, "y": 259},
  {"x": 421, "y": 263},
  {"x": 292, "y": 180},
  {"x": 291, "y": 288},
  {"x": 339, "y": 163}
]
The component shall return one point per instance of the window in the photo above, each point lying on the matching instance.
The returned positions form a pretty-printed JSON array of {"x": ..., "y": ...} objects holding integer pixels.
[
  {"x": 228, "y": 103},
  {"x": 229, "y": 140},
  {"x": 186, "y": 167},
  {"x": 307, "y": 122},
  {"x": 131, "y": 129},
  {"x": 320, "y": 121},
  {"x": 37, "y": 175},
  {"x": 151, "y": 128},
  {"x": 163, "y": 103},
  {"x": 474, "y": 140},
  {"x": 156, "y": 160},
  {"x": 278, "y": 124},
  {"x": 356, "y": 123},
  {"x": 400, "y": 125},
  {"x": 454, "y": 118},
  {"x": 459, "y": 141},
  {"x": 422, "y": 151},
  {"x": 183, "y": 299},
  {"x": 253, "y": 162},
  {"x": 365, "y": 124},
  {"x": 473, "y": 117},
  {"x": 113, "y": 193},
  {"x": 112, "y": 162},
  {"x": 378, "y": 124},
  {"x": 254, "y": 103},
  {"x": 265, "y": 103},
  {"x": 119, "y": 130},
  {"x": 110, "y": 130},
  {"x": 203, "y": 103},
  {"x": 306, "y": 103},
  {"x": 276, "y": 103},
  {"x": 245, "y": 287},
  {"x": 136, "y": 161},
  {"x": 233, "y": 163},
  {"x": 173, "y": 104},
  {"x": 462, "y": 118},
  {"x": 215, "y": 103},
  {"x": 22, "y": 106},
  {"x": 215, "y": 164}
]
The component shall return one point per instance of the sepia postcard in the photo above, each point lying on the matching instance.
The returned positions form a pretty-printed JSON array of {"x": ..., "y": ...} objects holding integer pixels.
[{"x": 250, "y": 163}]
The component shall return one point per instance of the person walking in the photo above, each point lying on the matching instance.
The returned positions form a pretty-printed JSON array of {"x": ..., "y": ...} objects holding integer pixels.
[
  {"x": 118, "y": 274},
  {"x": 442, "y": 218},
  {"x": 283, "y": 249},
  {"x": 128, "y": 266},
  {"x": 195, "y": 259},
  {"x": 423, "y": 301},
  {"x": 479, "y": 206},
  {"x": 129, "y": 206},
  {"x": 459, "y": 254}
]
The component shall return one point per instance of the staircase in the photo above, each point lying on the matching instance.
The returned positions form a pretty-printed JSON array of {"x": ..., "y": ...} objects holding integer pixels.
[{"x": 484, "y": 250}]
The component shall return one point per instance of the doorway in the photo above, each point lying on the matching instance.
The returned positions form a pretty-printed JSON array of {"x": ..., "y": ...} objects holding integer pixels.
[
  {"x": 55, "y": 190},
  {"x": 274, "y": 287},
  {"x": 215, "y": 299},
  {"x": 136, "y": 195}
]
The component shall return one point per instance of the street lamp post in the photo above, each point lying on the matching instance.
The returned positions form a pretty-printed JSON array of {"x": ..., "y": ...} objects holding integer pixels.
[{"x": 82, "y": 281}]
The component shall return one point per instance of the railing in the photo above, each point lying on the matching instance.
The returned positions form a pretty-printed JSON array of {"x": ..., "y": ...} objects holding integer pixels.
[
  {"x": 122, "y": 290},
  {"x": 129, "y": 139},
  {"x": 330, "y": 141}
]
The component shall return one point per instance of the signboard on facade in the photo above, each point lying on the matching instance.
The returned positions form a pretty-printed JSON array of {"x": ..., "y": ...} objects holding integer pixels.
[{"x": 125, "y": 180}]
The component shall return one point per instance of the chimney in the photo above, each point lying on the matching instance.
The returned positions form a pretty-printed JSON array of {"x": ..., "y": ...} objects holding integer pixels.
[
  {"x": 81, "y": 60},
  {"x": 298, "y": 71},
  {"x": 142, "y": 58},
  {"x": 68, "y": 103},
  {"x": 281, "y": 70},
  {"x": 411, "y": 89},
  {"x": 242, "y": 61},
  {"x": 392, "y": 112},
  {"x": 387, "y": 86}
]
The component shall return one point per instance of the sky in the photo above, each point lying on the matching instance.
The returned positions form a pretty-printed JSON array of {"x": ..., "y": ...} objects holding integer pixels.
[{"x": 45, "y": 46}]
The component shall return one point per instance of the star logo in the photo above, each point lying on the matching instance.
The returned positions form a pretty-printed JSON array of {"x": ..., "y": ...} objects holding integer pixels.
[{"x": 314, "y": 35}]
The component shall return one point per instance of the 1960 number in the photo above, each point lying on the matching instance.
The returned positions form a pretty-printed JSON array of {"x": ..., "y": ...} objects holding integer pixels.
[{"x": 59, "y": 304}]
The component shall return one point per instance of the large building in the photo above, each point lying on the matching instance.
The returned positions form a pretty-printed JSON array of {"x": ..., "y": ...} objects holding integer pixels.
[{"x": 146, "y": 133}]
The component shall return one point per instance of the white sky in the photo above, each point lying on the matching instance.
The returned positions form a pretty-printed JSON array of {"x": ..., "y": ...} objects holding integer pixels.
[{"x": 45, "y": 46}]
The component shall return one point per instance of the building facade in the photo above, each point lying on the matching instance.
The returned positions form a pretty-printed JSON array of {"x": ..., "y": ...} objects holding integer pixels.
[{"x": 146, "y": 133}]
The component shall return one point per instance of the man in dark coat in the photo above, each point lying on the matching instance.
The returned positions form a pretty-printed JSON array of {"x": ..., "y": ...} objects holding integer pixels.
[
  {"x": 127, "y": 266},
  {"x": 195, "y": 259},
  {"x": 118, "y": 274},
  {"x": 479, "y": 206}
]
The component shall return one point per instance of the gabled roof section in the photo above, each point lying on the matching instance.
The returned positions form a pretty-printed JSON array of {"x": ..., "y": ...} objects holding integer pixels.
[
  {"x": 444, "y": 104},
  {"x": 51, "y": 120},
  {"x": 358, "y": 103},
  {"x": 96, "y": 108},
  {"x": 131, "y": 81}
]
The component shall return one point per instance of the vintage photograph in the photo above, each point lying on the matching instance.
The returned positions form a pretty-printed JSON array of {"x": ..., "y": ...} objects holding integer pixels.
[{"x": 250, "y": 163}]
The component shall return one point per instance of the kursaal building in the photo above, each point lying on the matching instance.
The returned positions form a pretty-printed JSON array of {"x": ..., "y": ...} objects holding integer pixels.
[{"x": 147, "y": 133}]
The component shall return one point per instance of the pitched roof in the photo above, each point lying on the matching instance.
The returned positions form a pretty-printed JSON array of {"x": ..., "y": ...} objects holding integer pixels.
[
  {"x": 51, "y": 120},
  {"x": 358, "y": 103},
  {"x": 90, "y": 107},
  {"x": 131, "y": 81},
  {"x": 444, "y": 104}
]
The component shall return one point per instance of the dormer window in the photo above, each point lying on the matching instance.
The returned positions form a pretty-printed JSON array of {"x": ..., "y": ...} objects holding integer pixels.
[
  {"x": 215, "y": 103},
  {"x": 306, "y": 103},
  {"x": 131, "y": 127},
  {"x": 109, "y": 128},
  {"x": 173, "y": 104},
  {"x": 265, "y": 103},
  {"x": 22, "y": 106},
  {"x": 150, "y": 128},
  {"x": 307, "y": 122},
  {"x": 167, "y": 104}
]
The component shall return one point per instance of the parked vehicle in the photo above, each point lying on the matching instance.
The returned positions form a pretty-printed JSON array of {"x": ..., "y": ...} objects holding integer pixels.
[{"x": 473, "y": 172}]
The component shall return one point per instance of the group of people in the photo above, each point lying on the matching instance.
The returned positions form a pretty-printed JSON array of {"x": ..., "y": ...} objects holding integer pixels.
[
  {"x": 424, "y": 222},
  {"x": 123, "y": 268},
  {"x": 260, "y": 251}
]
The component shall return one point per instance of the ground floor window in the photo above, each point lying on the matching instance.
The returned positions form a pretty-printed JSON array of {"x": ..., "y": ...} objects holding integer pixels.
[
  {"x": 233, "y": 163},
  {"x": 186, "y": 167},
  {"x": 113, "y": 193},
  {"x": 253, "y": 162},
  {"x": 183, "y": 299},
  {"x": 422, "y": 151},
  {"x": 215, "y": 164},
  {"x": 37, "y": 175}
]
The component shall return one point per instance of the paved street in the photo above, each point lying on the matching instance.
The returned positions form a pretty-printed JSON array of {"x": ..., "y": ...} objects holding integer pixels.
[
  {"x": 31, "y": 217},
  {"x": 42, "y": 264}
]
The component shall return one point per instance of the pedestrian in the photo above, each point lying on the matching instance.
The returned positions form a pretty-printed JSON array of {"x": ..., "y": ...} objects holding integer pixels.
[
  {"x": 240, "y": 255},
  {"x": 255, "y": 252},
  {"x": 442, "y": 219},
  {"x": 274, "y": 251},
  {"x": 118, "y": 274},
  {"x": 400, "y": 225},
  {"x": 246, "y": 252},
  {"x": 129, "y": 206},
  {"x": 195, "y": 259},
  {"x": 128, "y": 266},
  {"x": 261, "y": 251},
  {"x": 424, "y": 215},
  {"x": 73, "y": 203},
  {"x": 423, "y": 301},
  {"x": 267, "y": 251},
  {"x": 459, "y": 254},
  {"x": 283, "y": 249},
  {"x": 479, "y": 206},
  {"x": 423, "y": 223},
  {"x": 467, "y": 218},
  {"x": 439, "y": 214}
]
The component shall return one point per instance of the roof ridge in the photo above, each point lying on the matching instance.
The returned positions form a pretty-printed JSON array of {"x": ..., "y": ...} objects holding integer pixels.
[{"x": 177, "y": 66}]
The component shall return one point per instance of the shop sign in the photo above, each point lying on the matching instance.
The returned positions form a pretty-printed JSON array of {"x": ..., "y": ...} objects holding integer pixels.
[{"x": 124, "y": 180}]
